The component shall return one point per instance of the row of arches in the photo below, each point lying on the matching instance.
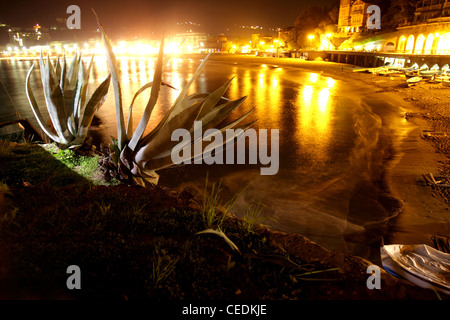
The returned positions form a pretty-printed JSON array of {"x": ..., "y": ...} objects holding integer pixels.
[{"x": 433, "y": 43}]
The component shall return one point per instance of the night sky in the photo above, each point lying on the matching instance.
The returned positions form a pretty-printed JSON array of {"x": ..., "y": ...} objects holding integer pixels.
[{"x": 141, "y": 15}]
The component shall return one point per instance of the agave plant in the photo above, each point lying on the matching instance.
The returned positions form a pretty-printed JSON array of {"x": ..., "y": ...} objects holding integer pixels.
[
  {"x": 139, "y": 156},
  {"x": 66, "y": 97}
]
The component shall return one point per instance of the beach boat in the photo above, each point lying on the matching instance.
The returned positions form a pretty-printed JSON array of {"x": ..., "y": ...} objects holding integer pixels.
[
  {"x": 441, "y": 78},
  {"x": 421, "y": 264},
  {"x": 446, "y": 83},
  {"x": 413, "y": 81},
  {"x": 411, "y": 74},
  {"x": 429, "y": 73}
]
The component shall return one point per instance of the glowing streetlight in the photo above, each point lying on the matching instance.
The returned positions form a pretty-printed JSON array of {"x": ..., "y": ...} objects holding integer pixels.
[{"x": 310, "y": 37}]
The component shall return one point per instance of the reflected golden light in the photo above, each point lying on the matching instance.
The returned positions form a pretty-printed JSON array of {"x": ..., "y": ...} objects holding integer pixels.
[
  {"x": 307, "y": 94},
  {"x": 322, "y": 101},
  {"x": 331, "y": 82},
  {"x": 261, "y": 79},
  {"x": 142, "y": 70},
  {"x": 313, "y": 77},
  {"x": 274, "y": 81},
  {"x": 124, "y": 68},
  {"x": 134, "y": 74},
  {"x": 315, "y": 115},
  {"x": 267, "y": 94}
]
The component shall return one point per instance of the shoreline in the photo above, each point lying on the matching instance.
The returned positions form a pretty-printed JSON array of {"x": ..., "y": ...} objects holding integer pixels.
[
  {"x": 422, "y": 213},
  {"x": 402, "y": 171},
  {"x": 399, "y": 176}
]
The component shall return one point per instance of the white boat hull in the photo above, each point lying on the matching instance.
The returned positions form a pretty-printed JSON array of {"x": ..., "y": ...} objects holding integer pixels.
[{"x": 421, "y": 264}]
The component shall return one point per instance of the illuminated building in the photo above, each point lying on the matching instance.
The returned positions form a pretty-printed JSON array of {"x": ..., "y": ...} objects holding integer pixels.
[
  {"x": 429, "y": 32},
  {"x": 429, "y": 9},
  {"x": 190, "y": 42},
  {"x": 352, "y": 16},
  {"x": 26, "y": 37}
]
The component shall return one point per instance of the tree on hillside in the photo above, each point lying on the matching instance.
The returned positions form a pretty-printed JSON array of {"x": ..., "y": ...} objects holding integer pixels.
[{"x": 315, "y": 20}]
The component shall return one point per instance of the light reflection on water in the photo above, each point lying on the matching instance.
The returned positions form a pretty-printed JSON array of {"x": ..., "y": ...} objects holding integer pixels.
[{"x": 310, "y": 194}]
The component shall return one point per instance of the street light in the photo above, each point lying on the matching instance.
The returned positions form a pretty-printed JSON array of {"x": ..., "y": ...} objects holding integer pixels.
[{"x": 310, "y": 37}]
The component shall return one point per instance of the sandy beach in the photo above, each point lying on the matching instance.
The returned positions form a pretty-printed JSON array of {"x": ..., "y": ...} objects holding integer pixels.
[{"x": 425, "y": 108}]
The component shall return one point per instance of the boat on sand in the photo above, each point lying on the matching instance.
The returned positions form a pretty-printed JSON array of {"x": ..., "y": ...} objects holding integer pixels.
[
  {"x": 421, "y": 264},
  {"x": 413, "y": 81}
]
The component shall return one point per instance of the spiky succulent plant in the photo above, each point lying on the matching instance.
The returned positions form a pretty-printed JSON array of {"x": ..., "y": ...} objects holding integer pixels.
[
  {"x": 139, "y": 156},
  {"x": 66, "y": 97}
]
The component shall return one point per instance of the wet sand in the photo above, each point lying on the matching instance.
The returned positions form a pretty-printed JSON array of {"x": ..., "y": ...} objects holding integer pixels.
[{"x": 423, "y": 211}]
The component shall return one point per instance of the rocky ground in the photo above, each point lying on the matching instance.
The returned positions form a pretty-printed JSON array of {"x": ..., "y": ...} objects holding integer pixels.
[{"x": 143, "y": 243}]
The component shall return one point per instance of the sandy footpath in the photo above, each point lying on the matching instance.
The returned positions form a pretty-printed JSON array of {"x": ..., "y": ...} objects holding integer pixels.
[{"x": 426, "y": 107}]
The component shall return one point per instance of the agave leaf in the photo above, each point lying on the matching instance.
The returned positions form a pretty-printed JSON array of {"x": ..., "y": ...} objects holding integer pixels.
[
  {"x": 189, "y": 100},
  {"x": 164, "y": 159},
  {"x": 55, "y": 103},
  {"x": 226, "y": 143},
  {"x": 42, "y": 68},
  {"x": 35, "y": 109},
  {"x": 217, "y": 114},
  {"x": 163, "y": 140},
  {"x": 68, "y": 90},
  {"x": 223, "y": 235},
  {"x": 208, "y": 146},
  {"x": 191, "y": 107},
  {"x": 58, "y": 69},
  {"x": 97, "y": 99},
  {"x": 112, "y": 63},
  {"x": 175, "y": 109},
  {"x": 205, "y": 137},
  {"x": 150, "y": 176},
  {"x": 130, "y": 110},
  {"x": 213, "y": 99},
  {"x": 185, "y": 90},
  {"x": 72, "y": 73},
  {"x": 62, "y": 77},
  {"x": 152, "y": 100},
  {"x": 81, "y": 94}
]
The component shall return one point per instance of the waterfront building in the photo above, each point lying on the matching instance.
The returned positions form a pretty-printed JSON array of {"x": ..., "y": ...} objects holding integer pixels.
[
  {"x": 429, "y": 32},
  {"x": 190, "y": 41},
  {"x": 27, "y": 37},
  {"x": 429, "y": 9}
]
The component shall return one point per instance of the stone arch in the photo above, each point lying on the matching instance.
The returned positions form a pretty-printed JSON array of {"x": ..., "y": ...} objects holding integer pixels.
[
  {"x": 401, "y": 44},
  {"x": 389, "y": 47},
  {"x": 420, "y": 42},
  {"x": 429, "y": 44},
  {"x": 443, "y": 46},
  {"x": 409, "y": 44}
]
